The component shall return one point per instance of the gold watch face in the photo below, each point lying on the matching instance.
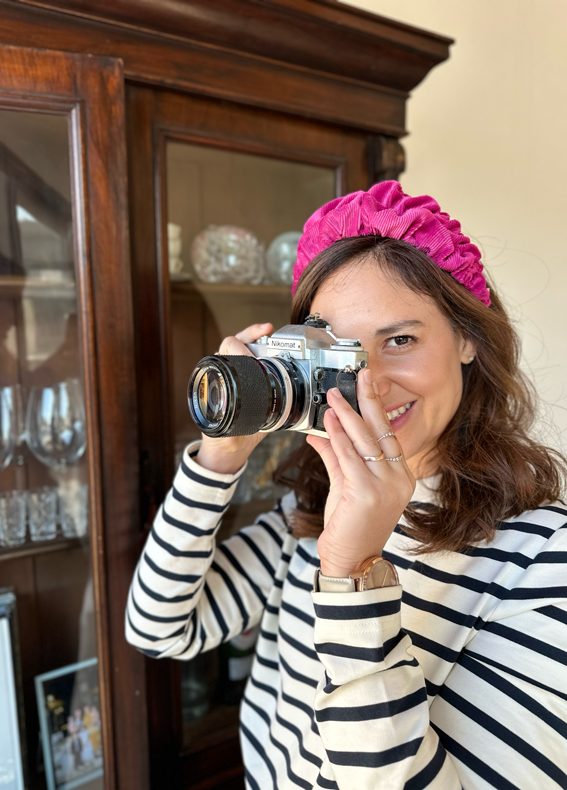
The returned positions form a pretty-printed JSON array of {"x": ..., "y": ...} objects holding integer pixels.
[{"x": 379, "y": 575}]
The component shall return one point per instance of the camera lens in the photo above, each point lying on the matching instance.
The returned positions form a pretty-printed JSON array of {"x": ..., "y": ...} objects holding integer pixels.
[
  {"x": 212, "y": 395},
  {"x": 241, "y": 395}
]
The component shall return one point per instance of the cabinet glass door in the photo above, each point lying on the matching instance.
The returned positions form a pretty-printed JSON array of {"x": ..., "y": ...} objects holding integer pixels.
[
  {"x": 45, "y": 560},
  {"x": 233, "y": 222}
]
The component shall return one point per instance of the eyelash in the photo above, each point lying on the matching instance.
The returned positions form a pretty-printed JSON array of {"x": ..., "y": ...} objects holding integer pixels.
[{"x": 411, "y": 338}]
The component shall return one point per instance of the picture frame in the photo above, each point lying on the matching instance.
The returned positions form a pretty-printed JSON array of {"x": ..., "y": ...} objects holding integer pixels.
[
  {"x": 69, "y": 716},
  {"x": 12, "y": 736}
]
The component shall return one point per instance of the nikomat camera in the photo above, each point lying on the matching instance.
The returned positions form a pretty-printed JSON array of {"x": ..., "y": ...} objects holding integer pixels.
[{"x": 282, "y": 387}]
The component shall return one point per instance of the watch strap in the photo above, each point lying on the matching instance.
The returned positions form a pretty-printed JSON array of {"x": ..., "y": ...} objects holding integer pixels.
[
  {"x": 331, "y": 584},
  {"x": 377, "y": 572}
]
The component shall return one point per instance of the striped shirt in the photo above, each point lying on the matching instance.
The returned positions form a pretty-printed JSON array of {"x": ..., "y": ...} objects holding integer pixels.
[{"x": 455, "y": 678}]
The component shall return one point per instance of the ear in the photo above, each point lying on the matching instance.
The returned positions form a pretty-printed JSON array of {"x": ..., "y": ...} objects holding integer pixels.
[{"x": 467, "y": 351}]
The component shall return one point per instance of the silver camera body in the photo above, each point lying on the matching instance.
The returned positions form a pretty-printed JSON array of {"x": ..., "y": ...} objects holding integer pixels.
[{"x": 325, "y": 361}]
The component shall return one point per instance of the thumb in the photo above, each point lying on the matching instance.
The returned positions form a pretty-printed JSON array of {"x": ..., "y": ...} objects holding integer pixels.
[{"x": 323, "y": 447}]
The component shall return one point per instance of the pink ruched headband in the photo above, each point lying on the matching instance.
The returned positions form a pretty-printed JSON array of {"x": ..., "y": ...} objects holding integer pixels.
[{"x": 385, "y": 210}]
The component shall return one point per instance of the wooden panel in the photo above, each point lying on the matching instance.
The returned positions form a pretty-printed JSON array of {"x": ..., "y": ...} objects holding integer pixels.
[
  {"x": 310, "y": 34},
  {"x": 115, "y": 553},
  {"x": 266, "y": 133},
  {"x": 151, "y": 395},
  {"x": 213, "y": 71},
  {"x": 154, "y": 118}
]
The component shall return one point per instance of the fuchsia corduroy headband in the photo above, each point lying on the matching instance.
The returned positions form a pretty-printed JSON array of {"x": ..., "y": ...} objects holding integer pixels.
[{"x": 385, "y": 210}]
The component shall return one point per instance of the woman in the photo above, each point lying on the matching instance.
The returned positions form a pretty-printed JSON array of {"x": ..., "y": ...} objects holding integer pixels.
[{"x": 445, "y": 665}]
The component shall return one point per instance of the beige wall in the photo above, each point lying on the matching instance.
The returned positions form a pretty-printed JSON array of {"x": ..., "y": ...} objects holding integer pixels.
[{"x": 488, "y": 139}]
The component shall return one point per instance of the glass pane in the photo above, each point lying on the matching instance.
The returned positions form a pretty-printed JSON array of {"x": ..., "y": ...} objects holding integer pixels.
[
  {"x": 44, "y": 513},
  {"x": 233, "y": 224}
]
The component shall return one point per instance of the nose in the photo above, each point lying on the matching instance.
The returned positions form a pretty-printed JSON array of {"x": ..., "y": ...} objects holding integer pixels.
[{"x": 381, "y": 381}]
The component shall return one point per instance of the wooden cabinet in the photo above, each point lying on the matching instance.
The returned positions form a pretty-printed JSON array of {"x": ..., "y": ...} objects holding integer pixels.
[{"x": 127, "y": 129}]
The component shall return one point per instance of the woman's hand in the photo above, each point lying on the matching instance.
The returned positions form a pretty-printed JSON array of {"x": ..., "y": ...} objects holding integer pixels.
[
  {"x": 228, "y": 455},
  {"x": 366, "y": 498}
]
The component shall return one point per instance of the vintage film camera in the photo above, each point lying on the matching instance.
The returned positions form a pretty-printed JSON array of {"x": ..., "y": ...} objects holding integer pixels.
[{"x": 282, "y": 387}]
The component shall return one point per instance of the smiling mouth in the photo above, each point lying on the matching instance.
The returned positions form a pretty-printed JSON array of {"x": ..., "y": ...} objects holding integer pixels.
[{"x": 398, "y": 412}]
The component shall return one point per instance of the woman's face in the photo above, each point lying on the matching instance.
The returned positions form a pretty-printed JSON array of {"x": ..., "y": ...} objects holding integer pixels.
[{"x": 413, "y": 353}]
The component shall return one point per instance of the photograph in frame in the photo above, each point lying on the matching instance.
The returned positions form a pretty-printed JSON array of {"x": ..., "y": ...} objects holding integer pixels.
[{"x": 69, "y": 715}]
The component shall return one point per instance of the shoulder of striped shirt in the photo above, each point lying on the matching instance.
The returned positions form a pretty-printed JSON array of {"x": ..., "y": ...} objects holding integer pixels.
[
  {"x": 532, "y": 538},
  {"x": 553, "y": 516},
  {"x": 545, "y": 520}
]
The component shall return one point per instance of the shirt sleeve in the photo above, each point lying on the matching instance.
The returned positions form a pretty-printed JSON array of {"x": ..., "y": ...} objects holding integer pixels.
[
  {"x": 187, "y": 594},
  {"x": 371, "y": 705},
  {"x": 500, "y": 716}
]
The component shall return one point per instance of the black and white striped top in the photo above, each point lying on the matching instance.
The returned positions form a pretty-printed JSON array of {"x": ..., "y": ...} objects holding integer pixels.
[{"x": 455, "y": 678}]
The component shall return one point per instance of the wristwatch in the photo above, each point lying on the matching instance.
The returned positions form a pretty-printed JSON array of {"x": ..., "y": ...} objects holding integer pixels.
[{"x": 376, "y": 572}]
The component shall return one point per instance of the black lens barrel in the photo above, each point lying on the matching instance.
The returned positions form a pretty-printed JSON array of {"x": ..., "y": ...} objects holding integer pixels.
[{"x": 249, "y": 394}]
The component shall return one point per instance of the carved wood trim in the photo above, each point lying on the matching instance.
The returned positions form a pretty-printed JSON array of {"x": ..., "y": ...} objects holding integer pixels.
[
  {"x": 329, "y": 37},
  {"x": 211, "y": 71},
  {"x": 371, "y": 98},
  {"x": 387, "y": 158}
]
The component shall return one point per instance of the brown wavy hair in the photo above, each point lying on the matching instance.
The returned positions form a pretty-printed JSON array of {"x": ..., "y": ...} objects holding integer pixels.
[{"x": 490, "y": 467}]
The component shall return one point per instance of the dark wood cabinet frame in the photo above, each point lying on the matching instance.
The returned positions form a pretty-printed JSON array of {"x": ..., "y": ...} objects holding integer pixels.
[
  {"x": 90, "y": 92},
  {"x": 311, "y": 81}
]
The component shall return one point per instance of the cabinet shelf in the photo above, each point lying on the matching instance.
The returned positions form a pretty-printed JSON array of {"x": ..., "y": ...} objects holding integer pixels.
[
  {"x": 41, "y": 547},
  {"x": 37, "y": 287}
]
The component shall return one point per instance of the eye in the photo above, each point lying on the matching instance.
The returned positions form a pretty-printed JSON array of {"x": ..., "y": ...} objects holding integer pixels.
[{"x": 400, "y": 341}]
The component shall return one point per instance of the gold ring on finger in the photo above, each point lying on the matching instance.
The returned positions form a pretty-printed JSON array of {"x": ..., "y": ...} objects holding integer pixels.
[
  {"x": 398, "y": 458},
  {"x": 374, "y": 457},
  {"x": 391, "y": 433}
]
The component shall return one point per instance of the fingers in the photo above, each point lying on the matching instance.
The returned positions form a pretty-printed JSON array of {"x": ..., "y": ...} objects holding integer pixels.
[
  {"x": 374, "y": 413},
  {"x": 365, "y": 429},
  {"x": 351, "y": 464},
  {"x": 252, "y": 333},
  {"x": 236, "y": 345},
  {"x": 324, "y": 448}
]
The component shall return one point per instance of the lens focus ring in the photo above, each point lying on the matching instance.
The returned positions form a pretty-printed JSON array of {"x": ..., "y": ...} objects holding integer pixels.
[{"x": 254, "y": 396}]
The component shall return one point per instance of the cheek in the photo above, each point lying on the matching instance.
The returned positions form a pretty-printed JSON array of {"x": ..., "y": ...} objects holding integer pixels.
[
  {"x": 444, "y": 383},
  {"x": 434, "y": 377}
]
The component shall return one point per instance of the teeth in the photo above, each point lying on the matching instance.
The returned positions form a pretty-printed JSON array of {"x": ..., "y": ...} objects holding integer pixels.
[{"x": 397, "y": 412}]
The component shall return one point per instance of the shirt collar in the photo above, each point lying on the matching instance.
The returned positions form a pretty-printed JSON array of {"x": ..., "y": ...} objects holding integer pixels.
[{"x": 426, "y": 490}]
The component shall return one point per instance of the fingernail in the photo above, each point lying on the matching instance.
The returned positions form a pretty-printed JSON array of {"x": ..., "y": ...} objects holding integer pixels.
[
  {"x": 332, "y": 414},
  {"x": 336, "y": 392},
  {"x": 367, "y": 376}
]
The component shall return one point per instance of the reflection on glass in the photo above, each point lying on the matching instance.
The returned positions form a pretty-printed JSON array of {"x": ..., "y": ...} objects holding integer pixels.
[
  {"x": 226, "y": 209},
  {"x": 44, "y": 513}
]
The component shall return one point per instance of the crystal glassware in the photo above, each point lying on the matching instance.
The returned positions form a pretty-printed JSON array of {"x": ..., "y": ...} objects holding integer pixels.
[
  {"x": 281, "y": 258},
  {"x": 42, "y": 513},
  {"x": 7, "y": 427},
  {"x": 55, "y": 424},
  {"x": 12, "y": 518},
  {"x": 18, "y": 401},
  {"x": 228, "y": 254},
  {"x": 74, "y": 509}
]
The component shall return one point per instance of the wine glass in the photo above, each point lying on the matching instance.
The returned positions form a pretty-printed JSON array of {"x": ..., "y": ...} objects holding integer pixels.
[
  {"x": 7, "y": 428},
  {"x": 55, "y": 424},
  {"x": 15, "y": 394}
]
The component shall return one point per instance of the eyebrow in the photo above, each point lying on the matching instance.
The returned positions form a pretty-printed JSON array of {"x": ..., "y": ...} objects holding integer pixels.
[{"x": 392, "y": 329}]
